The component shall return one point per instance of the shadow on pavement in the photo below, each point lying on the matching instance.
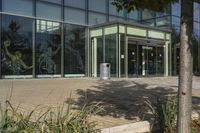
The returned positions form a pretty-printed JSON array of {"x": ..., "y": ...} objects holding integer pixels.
[{"x": 122, "y": 99}]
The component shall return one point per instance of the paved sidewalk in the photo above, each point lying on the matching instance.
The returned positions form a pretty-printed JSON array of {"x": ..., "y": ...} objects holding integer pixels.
[{"x": 123, "y": 99}]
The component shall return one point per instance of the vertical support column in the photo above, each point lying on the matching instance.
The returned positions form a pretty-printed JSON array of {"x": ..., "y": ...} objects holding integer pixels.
[
  {"x": 87, "y": 52},
  {"x": 94, "y": 57},
  {"x": 170, "y": 56},
  {"x": 34, "y": 48},
  {"x": 87, "y": 12},
  {"x": 1, "y": 5},
  {"x": 166, "y": 59},
  {"x": 34, "y": 40},
  {"x": 62, "y": 10},
  {"x": 107, "y": 10},
  {"x": 104, "y": 45},
  {"x": 117, "y": 52},
  {"x": 62, "y": 40},
  {"x": 119, "y": 55},
  {"x": 62, "y": 51},
  {"x": 198, "y": 58},
  {"x": 126, "y": 54},
  {"x": 0, "y": 46},
  {"x": 174, "y": 59},
  {"x": 156, "y": 60}
]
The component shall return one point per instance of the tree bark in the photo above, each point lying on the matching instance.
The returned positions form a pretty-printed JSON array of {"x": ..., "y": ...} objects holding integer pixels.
[{"x": 186, "y": 68}]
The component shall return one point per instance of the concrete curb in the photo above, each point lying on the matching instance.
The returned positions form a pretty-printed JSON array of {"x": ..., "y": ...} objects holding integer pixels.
[{"x": 138, "y": 127}]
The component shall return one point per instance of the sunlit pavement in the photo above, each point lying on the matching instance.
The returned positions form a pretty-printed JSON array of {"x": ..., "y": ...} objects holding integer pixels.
[{"x": 122, "y": 99}]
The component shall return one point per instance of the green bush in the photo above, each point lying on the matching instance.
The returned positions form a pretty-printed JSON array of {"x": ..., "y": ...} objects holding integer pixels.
[
  {"x": 165, "y": 114},
  {"x": 59, "y": 120}
]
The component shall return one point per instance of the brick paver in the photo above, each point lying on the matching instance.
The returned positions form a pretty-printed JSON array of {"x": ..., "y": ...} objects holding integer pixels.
[{"x": 122, "y": 99}]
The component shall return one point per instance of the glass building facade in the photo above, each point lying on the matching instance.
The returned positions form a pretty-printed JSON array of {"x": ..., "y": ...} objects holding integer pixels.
[
  {"x": 175, "y": 26},
  {"x": 56, "y": 38}
]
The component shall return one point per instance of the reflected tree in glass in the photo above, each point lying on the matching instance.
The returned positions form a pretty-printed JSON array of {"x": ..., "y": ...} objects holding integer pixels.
[
  {"x": 74, "y": 49},
  {"x": 16, "y": 46},
  {"x": 48, "y": 48}
]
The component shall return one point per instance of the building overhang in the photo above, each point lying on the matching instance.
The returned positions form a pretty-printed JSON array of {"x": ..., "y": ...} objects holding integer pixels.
[{"x": 132, "y": 24}]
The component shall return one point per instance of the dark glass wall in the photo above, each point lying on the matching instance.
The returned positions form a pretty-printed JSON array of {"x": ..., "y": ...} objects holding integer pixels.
[
  {"x": 175, "y": 26},
  {"x": 122, "y": 54},
  {"x": 16, "y": 49},
  {"x": 158, "y": 19},
  {"x": 66, "y": 10},
  {"x": 74, "y": 49},
  {"x": 97, "y": 54},
  {"x": 175, "y": 44},
  {"x": 48, "y": 47},
  {"x": 22, "y": 7},
  {"x": 111, "y": 53},
  {"x": 195, "y": 41}
]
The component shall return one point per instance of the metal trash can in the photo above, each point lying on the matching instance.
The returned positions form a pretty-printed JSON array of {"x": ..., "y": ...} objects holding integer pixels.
[{"x": 105, "y": 71}]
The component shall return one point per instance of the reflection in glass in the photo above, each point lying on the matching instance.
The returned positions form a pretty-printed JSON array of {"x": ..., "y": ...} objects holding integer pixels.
[
  {"x": 96, "y": 18},
  {"x": 22, "y": 7},
  {"x": 110, "y": 53},
  {"x": 196, "y": 11},
  {"x": 97, "y": 5},
  {"x": 71, "y": 16},
  {"x": 132, "y": 60},
  {"x": 163, "y": 21},
  {"x": 75, "y": 3},
  {"x": 175, "y": 49},
  {"x": 48, "y": 11},
  {"x": 54, "y": 1},
  {"x": 151, "y": 60},
  {"x": 176, "y": 9},
  {"x": 114, "y": 18},
  {"x": 134, "y": 15},
  {"x": 48, "y": 45},
  {"x": 145, "y": 60},
  {"x": 16, "y": 50},
  {"x": 113, "y": 10},
  {"x": 195, "y": 41},
  {"x": 160, "y": 61},
  {"x": 142, "y": 60},
  {"x": 122, "y": 54},
  {"x": 148, "y": 14},
  {"x": 74, "y": 49}
]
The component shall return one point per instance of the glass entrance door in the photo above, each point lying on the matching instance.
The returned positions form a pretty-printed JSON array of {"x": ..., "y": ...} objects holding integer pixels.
[
  {"x": 160, "y": 61},
  {"x": 145, "y": 60},
  {"x": 142, "y": 60},
  {"x": 132, "y": 60},
  {"x": 151, "y": 60}
]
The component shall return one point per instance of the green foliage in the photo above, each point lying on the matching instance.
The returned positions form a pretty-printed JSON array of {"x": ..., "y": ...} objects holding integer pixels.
[
  {"x": 59, "y": 120},
  {"x": 165, "y": 114}
]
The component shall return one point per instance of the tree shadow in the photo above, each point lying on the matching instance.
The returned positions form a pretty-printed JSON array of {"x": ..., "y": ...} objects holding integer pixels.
[{"x": 122, "y": 99}]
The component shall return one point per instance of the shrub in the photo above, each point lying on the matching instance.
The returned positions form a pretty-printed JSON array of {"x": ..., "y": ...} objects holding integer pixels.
[
  {"x": 59, "y": 120},
  {"x": 165, "y": 114}
]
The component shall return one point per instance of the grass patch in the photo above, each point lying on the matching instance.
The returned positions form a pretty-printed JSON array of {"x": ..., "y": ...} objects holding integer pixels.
[{"x": 52, "y": 120}]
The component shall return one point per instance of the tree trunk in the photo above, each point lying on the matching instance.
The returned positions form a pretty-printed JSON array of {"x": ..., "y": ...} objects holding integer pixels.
[{"x": 186, "y": 68}]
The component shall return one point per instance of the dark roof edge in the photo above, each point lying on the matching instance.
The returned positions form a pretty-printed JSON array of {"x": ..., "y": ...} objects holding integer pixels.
[{"x": 131, "y": 24}]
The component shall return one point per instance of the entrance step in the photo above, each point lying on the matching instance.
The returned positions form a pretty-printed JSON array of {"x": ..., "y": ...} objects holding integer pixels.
[{"x": 137, "y": 127}]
